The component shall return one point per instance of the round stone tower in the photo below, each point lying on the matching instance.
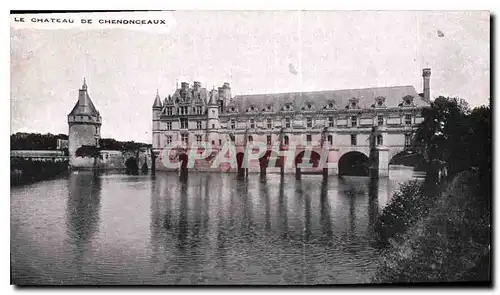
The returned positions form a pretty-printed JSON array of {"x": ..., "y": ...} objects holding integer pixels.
[{"x": 84, "y": 128}]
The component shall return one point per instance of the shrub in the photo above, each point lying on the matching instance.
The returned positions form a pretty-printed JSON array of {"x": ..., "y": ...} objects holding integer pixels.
[{"x": 408, "y": 205}]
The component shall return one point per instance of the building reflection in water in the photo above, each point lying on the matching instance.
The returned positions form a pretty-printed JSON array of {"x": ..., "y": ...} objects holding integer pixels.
[
  {"x": 82, "y": 211},
  {"x": 282, "y": 210},
  {"x": 325, "y": 218},
  {"x": 183, "y": 227},
  {"x": 264, "y": 193},
  {"x": 373, "y": 203}
]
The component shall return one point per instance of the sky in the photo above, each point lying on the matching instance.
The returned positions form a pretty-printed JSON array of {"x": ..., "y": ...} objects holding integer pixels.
[{"x": 255, "y": 51}]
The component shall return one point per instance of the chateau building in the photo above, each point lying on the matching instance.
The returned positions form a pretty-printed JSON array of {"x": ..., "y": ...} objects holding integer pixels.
[{"x": 341, "y": 120}]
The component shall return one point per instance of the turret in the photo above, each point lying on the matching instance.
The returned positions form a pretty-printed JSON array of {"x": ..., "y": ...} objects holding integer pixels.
[
  {"x": 84, "y": 123},
  {"x": 157, "y": 103}
]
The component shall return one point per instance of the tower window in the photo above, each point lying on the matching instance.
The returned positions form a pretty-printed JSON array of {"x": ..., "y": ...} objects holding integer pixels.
[
  {"x": 354, "y": 121},
  {"x": 380, "y": 120},
  {"x": 269, "y": 138},
  {"x": 308, "y": 138},
  {"x": 380, "y": 140},
  {"x": 269, "y": 124},
  {"x": 287, "y": 123},
  {"x": 220, "y": 141},
  {"x": 407, "y": 119},
  {"x": 250, "y": 138},
  {"x": 353, "y": 139},
  {"x": 330, "y": 122},
  {"x": 184, "y": 123},
  {"x": 252, "y": 123},
  {"x": 213, "y": 126},
  {"x": 309, "y": 123},
  {"x": 233, "y": 124},
  {"x": 330, "y": 139},
  {"x": 184, "y": 138},
  {"x": 407, "y": 139},
  {"x": 379, "y": 103},
  {"x": 286, "y": 140}
]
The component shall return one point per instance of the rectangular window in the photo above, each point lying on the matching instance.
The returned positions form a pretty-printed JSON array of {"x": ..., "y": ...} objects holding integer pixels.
[
  {"x": 380, "y": 120},
  {"x": 252, "y": 124},
  {"x": 330, "y": 122},
  {"x": 354, "y": 121},
  {"x": 407, "y": 119},
  {"x": 269, "y": 124},
  {"x": 269, "y": 138},
  {"x": 198, "y": 125},
  {"x": 309, "y": 123},
  {"x": 250, "y": 138},
  {"x": 184, "y": 123},
  {"x": 213, "y": 126},
  {"x": 231, "y": 136},
  {"x": 200, "y": 110},
  {"x": 169, "y": 139},
  {"x": 198, "y": 138},
  {"x": 169, "y": 111},
  {"x": 184, "y": 138},
  {"x": 407, "y": 139},
  {"x": 353, "y": 139},
  {"x": 330, "y": 139},
  {"x": 308, "y": 138},
  {"x": 380, "y": 140},
  {"x": 220, "y": 141},
  {"x": 169, "y": 125},
  {"x": 233, "y": 124},
  {"x": 287, "y": 123}
]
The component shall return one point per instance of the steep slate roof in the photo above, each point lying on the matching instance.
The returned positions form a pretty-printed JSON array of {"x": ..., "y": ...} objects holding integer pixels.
[
  {"x": 157, "y": 103},
  {"x": 319, "y": 99},
  {"x": 87, "y": 109},
  {"x": 191, "y": 95}
]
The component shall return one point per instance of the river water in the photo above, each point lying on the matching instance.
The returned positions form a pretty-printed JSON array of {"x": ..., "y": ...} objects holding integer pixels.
[{"x": 209, "y": 229}]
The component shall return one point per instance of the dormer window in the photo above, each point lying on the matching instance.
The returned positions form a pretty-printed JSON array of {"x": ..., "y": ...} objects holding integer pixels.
[
  {"x": 309, "y": 106},
  {"x": 408, "y": 100},
  {"x": 353, "y": 103},
  {"x": 379, "y": 102}
]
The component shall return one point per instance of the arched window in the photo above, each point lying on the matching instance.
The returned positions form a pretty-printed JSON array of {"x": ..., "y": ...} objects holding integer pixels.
[
  {"x": 380, "y": 139},
  {"x": 250, "y": 138},
  {"x": 286, "y": 140}
]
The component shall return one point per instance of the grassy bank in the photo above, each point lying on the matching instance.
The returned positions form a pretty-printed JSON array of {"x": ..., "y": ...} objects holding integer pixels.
[{"x": 443, "y": 239}]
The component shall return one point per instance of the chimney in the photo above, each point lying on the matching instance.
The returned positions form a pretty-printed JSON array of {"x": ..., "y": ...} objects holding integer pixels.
[
  {"x": 227, "y": 91},
  {"x": 196, "y": 85},
  {"x": 184, "y": 86},
  {"x": 426, "y": 74}
]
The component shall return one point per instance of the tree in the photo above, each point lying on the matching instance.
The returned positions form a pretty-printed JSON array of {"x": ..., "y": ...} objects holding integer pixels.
[{"x": 452, "y": 133}]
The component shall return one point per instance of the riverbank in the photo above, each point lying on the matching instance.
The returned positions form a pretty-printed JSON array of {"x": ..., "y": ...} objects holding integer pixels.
[
  {"x": 449, "y": 242},
  {"x": 23, "y": 171}
]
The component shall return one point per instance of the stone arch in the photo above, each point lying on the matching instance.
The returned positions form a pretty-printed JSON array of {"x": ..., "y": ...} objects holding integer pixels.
[
  {"x": 315, "y": 159},
  {"x": 353, "y": 163},
  {"x": 407, "y": 158}
]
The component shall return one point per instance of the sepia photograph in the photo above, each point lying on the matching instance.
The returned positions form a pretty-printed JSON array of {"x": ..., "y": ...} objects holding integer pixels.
[{"x": 251, "y": 148}]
